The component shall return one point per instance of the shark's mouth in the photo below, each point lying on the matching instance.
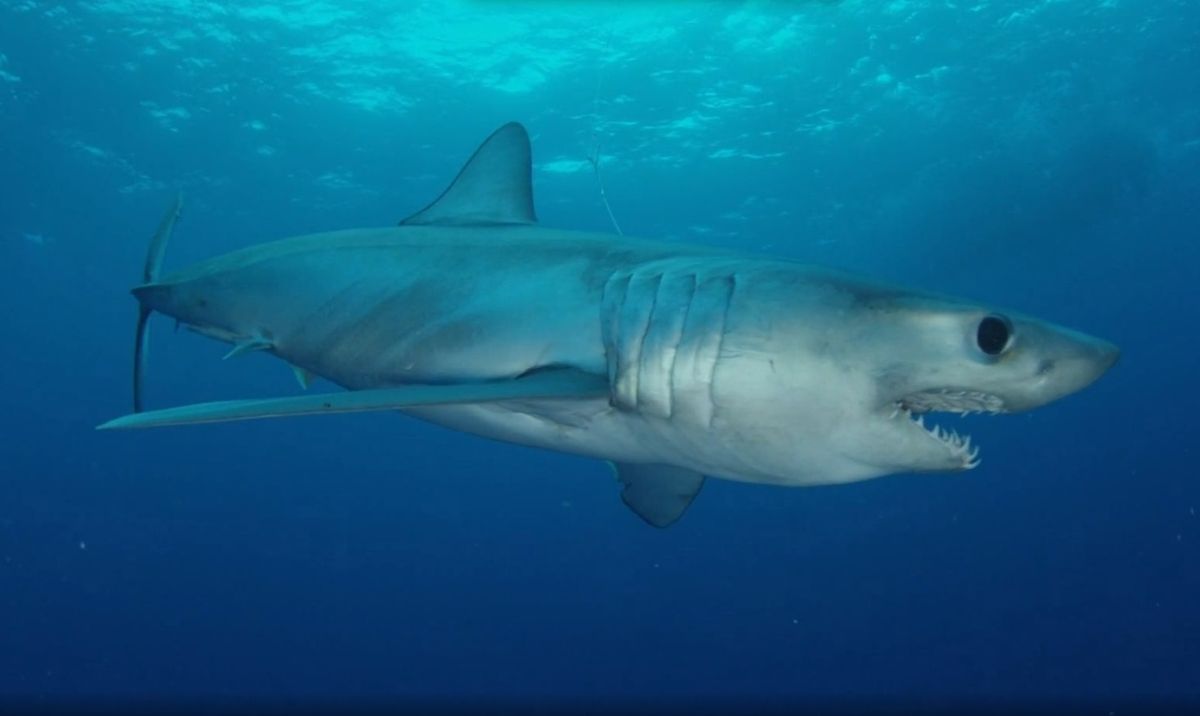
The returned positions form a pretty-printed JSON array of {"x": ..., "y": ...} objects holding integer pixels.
[{"x": 948, "y": 400}]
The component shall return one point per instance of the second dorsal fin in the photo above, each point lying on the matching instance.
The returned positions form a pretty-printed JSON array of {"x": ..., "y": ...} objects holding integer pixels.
[{"x": 494, "y": 187}]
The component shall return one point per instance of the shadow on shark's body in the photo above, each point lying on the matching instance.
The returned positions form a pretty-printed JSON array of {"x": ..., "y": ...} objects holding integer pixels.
[{"x": 673, "y": 362}]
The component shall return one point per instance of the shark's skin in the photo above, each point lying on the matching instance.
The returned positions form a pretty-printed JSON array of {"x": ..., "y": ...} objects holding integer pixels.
[{"x": 715, "y": 363}]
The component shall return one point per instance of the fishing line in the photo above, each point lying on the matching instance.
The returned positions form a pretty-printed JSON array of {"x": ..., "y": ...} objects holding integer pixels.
[{"x": 594, "y": 156}]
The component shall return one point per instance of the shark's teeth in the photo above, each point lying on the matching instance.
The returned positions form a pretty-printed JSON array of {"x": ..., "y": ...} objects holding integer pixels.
[
  {"x": 963, "y": 402},
  {"x": 959, "y": 445}
]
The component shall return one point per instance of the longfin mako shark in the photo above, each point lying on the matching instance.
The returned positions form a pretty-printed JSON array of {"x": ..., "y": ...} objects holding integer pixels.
[{"x": 673, "y": 362}]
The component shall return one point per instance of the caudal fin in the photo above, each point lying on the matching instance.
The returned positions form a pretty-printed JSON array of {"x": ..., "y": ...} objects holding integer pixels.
[{"x": 150, "y": 273}]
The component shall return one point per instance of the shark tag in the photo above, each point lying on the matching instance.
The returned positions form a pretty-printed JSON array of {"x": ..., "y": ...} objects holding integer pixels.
[{"x": 659, "y": 494}]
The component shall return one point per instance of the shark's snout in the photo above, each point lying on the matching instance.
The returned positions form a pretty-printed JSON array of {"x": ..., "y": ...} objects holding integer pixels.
[
  {"x": 1091, "y": 359},
  {"x": 1067, "y": 361}
]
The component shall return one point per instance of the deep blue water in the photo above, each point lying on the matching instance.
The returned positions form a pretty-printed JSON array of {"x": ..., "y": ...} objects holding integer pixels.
[{"x": 1039, "y": 155}]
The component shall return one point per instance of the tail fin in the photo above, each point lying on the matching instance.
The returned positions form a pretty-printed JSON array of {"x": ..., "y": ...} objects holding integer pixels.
[{"x": 150, "y": 273}]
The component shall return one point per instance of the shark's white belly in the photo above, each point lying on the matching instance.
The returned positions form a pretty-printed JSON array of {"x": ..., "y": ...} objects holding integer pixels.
[{"x": 594, "y": 428}]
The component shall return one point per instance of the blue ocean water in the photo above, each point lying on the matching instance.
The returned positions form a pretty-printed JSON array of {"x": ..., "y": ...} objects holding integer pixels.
[{"x": 1042, "y": 155}]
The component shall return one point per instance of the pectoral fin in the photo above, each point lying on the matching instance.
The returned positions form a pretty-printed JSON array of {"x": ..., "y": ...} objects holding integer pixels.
[
  {"x": 659, "y": 494},
  {"x": 558, "y": 383}
]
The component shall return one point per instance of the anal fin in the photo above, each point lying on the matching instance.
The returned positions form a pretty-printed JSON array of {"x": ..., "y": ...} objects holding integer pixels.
[{"x": 659, "y": 494}]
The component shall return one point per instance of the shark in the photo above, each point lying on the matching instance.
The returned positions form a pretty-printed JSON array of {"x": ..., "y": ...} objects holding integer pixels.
[{"x": 673, "y": 362}]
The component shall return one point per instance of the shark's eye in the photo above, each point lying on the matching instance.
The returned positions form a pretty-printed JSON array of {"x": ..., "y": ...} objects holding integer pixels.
[{"x": 993, "y": 334}]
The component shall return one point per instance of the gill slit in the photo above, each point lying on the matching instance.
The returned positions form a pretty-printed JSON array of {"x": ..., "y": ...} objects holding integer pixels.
[
  {"x": 730, "y": 286},
  {"x": 672, "y": 371}
]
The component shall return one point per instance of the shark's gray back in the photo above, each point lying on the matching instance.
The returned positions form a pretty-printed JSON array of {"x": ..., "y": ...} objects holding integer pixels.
[{"x": 419, "y": 304}]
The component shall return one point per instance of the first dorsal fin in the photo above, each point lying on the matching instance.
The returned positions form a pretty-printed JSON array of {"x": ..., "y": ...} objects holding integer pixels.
[{"x": 494, "y": 187}]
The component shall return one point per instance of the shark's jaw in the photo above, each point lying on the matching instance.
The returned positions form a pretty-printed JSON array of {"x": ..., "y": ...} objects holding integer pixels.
[{"x": 911, "y": 409}]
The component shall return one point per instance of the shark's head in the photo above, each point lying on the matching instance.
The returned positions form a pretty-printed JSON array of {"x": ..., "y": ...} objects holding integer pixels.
[
  {"x": 942, "y": 355},
  {"x": 827, "y": 378}
]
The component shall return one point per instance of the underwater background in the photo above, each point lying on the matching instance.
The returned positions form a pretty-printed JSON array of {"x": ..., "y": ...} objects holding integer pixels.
[{"x": 1041, "y": 155}]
